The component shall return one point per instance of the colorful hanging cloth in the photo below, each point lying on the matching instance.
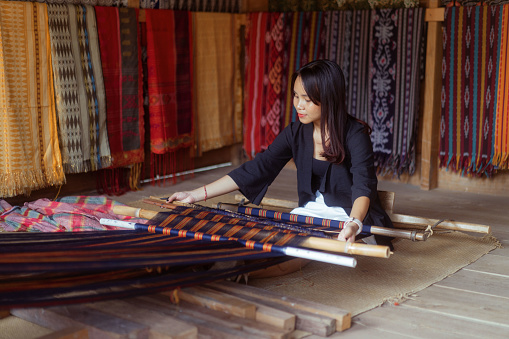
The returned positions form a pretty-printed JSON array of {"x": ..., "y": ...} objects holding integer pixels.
[
  {"x": 473, "y": 128},
  {"x": 120, "y": 46},
  {"x": 217, "y": 80},
  {"x": 348, "y": 44},
  {"x": 277, "y": 45},
  {"x": 170, "y": 89},
  {"x": 79, "y": 88},
  {"x": 396, "y": 70},
  {"x": 31, "y": 156}
]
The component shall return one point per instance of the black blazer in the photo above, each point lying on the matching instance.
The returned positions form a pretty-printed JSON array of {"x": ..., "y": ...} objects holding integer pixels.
[{"x": 342, "y": 184}]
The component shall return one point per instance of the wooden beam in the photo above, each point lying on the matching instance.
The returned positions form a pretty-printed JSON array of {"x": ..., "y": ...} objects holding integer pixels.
[
  {"x": 434, "y": 14},
  {"x": 431, "y": 110}
]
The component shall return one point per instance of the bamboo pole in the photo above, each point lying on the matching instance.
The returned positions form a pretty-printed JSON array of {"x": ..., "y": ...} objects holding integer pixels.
[{"x": 323, "y": 244}]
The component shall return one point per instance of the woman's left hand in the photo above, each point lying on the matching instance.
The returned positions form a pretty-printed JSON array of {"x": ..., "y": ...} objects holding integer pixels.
[{"x": 348, "y": 233}]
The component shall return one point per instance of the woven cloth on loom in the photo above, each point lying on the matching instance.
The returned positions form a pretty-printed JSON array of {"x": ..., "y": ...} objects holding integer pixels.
[
  {"x": 216, "y": 80},
  {"x": 170, "y": 88},
  {"x": 474, "y": 127},
  {"x": 69, "y": 266},
  {"x": 30, "y": 152},
  {"x": 121, "y": 63},
  {"x": 396, "y": 68}
]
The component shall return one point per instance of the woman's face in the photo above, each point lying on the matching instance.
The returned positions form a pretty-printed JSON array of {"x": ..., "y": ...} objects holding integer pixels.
[{"x": 307, "y": 111}]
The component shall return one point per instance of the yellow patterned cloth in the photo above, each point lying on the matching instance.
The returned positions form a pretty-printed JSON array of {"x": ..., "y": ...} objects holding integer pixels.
[
  {"x": 218, "y": 99},
  {"x": 28, "y": 138}
]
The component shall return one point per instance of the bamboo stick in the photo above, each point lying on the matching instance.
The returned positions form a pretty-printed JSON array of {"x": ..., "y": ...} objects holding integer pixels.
[{"x": 324, "y": 244}]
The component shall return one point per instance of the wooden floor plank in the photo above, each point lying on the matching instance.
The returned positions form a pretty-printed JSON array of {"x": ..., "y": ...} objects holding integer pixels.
[
  {"x": 480, "y": 308},
  {"x": 491, "y": 263},
  {"x": 421, "y": 323},
  {"x": 478, "y": 282}
]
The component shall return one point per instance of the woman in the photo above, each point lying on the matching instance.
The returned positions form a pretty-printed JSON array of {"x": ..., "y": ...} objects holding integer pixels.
[{"x": 332, "y": 152}]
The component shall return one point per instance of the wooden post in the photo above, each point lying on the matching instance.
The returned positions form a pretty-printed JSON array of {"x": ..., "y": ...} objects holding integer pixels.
[{"x": 432, "y": 89}]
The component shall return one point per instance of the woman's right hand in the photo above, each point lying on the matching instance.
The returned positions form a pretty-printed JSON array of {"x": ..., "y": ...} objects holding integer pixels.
[{"x": 186, "y": 197}]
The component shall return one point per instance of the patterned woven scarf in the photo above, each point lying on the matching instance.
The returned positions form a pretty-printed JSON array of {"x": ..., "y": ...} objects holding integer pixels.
[
  {"x": 170, "y": 85},
  {"x": 396, "y": 68},
  {"x": 30, "y": 152},
  {"x": 121, "y": 63},
  {"x": 348, "y": 38},
  {"x": 474, "y": 93}
]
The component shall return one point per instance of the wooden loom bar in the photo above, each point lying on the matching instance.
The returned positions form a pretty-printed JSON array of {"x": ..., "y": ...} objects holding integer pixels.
[
  {"x": 324, "y": 244},
  {"x": 399, "y": 219},
  {"x": 378, "y": 230}
]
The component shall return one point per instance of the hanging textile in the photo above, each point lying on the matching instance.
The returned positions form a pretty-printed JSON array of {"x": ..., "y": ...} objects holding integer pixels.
[
  {"x": 120, "y": 48},
  {"x": 501, "y": 138},
  {"x": 228, "y": 6},
  {"x": 277, "y": 45},
  {"x": 305, "y": 42},
  {"x": 216, "y": 60},
  {"x": 396, "y": 68},
  {"x": 348, "y": 44},
  {"x": 31, "y": 156},
  {"x": 333, "y": 5},
  {"x": 473, "y": 130},
  {"x": 170, "y": 90},
  {"x": 264, "y": 83},
  {"x": 79, "y": 89}
]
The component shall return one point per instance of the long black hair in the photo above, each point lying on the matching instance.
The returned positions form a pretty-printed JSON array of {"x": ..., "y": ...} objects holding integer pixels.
[{"x": 324, "y": 83}]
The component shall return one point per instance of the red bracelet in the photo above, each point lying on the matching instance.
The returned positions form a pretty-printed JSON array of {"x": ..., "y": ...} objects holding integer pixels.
[{"x": 205, "y": 189}]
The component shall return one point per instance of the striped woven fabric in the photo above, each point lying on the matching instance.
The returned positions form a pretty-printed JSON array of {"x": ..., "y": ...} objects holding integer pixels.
[
  {"x": 107, "y": 264},
  {"x": 474, "y": 118},
  {"x": 31, "y": 156},
  {"x": 170, "y": 89}
]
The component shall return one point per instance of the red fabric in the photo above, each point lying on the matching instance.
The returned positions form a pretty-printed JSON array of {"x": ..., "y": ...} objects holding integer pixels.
[
  {"x": 169, "y": 63},
  {"x": 123, "y": 83}
]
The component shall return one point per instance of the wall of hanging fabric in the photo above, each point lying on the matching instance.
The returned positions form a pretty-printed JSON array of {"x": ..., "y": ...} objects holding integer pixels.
[
  {"x": 86, "y": 67},
  {"x": 381, "y": 53},
  {"x": 474, "y": 126},
  {"x": 227, "y": 6}
]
